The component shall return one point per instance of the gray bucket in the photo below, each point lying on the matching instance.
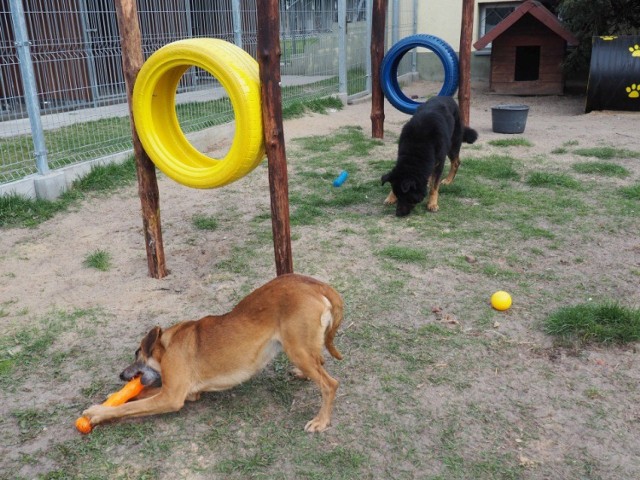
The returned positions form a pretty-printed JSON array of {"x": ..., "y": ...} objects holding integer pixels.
[{"x": 509, "y": 118}]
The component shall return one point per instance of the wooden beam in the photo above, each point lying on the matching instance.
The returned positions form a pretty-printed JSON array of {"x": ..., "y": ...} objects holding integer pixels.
[
  {"x": 379, "y": 15},
  {"x": 271, "y": 94},
  {"x": 466, "y": 34},
  {"x": 132, "y": 60}
]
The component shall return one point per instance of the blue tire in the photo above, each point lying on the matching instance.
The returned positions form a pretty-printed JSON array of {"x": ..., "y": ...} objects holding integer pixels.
[{"x": 389, "y": 69}]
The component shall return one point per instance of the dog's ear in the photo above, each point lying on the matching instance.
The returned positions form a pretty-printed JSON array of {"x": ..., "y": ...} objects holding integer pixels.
[
  {"x": 386, "y": 178},
  {"x": 150, "y": 340},
  {"x": 407, "y": 185}
]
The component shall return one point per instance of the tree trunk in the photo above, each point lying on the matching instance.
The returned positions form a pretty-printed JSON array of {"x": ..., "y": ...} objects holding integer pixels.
[
  {"x": 132, "y": 60},
  {"x": 377, "y": 54},
  {"x": 464, "y": 88},
  {"x": 269, "y": 62}
]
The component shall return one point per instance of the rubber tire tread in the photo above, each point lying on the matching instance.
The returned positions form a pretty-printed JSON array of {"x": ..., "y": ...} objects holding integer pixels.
[
  {"x": 156, "y": 120},
  {"x": 391, "y": 61}
]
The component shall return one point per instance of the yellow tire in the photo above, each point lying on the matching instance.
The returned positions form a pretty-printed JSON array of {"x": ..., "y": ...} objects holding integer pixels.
[{"x": 154, "y": 112}]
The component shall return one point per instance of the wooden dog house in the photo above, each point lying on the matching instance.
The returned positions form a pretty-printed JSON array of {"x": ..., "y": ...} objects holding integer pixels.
[{"x": 527, "y": 51}]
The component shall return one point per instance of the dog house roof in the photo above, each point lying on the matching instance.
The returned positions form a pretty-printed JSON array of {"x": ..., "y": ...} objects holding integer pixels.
[{"x": 536, "y": 9}]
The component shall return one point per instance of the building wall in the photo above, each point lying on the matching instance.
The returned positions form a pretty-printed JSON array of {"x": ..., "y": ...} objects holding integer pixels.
[{"x": 443, "y": 18}]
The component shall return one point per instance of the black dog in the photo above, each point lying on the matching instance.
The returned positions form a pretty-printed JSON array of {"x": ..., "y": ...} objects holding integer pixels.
[{"x": 434, "y": 132}]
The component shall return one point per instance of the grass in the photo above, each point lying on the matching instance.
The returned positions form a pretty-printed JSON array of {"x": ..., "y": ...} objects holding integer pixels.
[
  {"x": 98, "y": 138},
  {"x": 552, "y": 180},
  {"x": 296, "y": 46},
  {"x": 238, "y": 262},
  {"x": 495, "y": 167},
  {"x": 607, "y": 153},
  {"x": 565, "y": 147},
  {"x": 70, "y": 144},
  {"x": 194, "y": 116},
  {"x": 298, "y": 109},
  {"x": 608, "y": 322},
  {"x": 601, "y": 169},
  {"x": 403, "y": 254},
  {"x": 423, "y": 349},
  {"x": 18, "y": 211},
  {"x": 204, "y": 222},
  {"x": 511, "y": 142},
  {"x": 30, "y": 347},
  {"x": 30, "y": 421},
  {"x": 632, "y": 192},
  {"x": 349, "y": 142},
  {"x": 317, "y": 199},
  {"x": 94, "y": 139},
  {"x": 100, "y": 260},
  {"x": 88, "y": 140},
  {"x": 356, "y": 81},
  {"x": 106, "y": 178}
]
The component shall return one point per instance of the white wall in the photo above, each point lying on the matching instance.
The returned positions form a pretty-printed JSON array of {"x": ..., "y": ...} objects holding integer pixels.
[{"x": 443, "y": 18}]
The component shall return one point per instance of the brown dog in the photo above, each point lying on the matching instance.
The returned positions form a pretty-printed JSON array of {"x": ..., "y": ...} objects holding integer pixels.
[{"x": 292, "y": 312}]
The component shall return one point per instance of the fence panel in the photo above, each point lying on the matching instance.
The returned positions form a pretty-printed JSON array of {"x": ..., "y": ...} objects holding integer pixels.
[{"x": 76, "y": 59}]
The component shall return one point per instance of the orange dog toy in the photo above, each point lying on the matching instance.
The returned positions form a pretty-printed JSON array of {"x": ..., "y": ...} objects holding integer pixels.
[{"x": 126, "y": 393}]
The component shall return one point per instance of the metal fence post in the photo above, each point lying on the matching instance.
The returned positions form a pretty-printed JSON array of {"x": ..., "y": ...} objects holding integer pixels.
[
  {"x": 237, "y": 23},
  {"x": 29, "y": 84},
  {"x": 87, "y": 34},
  {"x": 368, "y": 53},
  {"x": 395, "y": 25},
  {"x": 414, "y": 55},
  {"x": 342, "y": 49}
]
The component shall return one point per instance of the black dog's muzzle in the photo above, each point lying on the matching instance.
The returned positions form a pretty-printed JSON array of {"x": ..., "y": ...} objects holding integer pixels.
[{"x": 403, "y": 209}]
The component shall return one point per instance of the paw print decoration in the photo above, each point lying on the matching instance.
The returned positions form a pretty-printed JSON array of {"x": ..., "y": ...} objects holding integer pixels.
[
  {"x": 633, "y": 90},
  {"x": 614, "y": 76}
]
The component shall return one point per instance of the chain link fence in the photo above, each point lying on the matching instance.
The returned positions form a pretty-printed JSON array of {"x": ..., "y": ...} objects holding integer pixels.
[{"x": 62, "y": 91}]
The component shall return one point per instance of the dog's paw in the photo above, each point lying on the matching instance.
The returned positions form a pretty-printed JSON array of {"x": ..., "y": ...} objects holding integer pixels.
[
  {"x": 432, "y": 208},
  {"x": 96, "y": 414},
  {"x": 297, "y": 373},
  {"x": 391, "y": 199},
  {"x": 446, "y": 181},
  {"x": 194, "y": 397},
  {"x": 316, "y": 425}
]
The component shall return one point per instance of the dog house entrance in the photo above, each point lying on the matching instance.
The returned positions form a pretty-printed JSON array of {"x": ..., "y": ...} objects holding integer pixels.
[{"x": 527, "y": 63}]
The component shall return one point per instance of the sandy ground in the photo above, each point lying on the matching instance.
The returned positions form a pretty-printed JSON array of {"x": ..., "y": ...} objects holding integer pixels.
[
  {"x": 47, "y": 261},
  {"x": 41, "y": 269}
]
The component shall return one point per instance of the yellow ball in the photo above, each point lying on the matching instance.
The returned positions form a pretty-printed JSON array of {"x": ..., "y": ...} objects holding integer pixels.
[{"x": 501, "y": 300}]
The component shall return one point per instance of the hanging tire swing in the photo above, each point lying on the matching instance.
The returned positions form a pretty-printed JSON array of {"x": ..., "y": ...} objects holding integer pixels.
[
  {"x": 155, "y": 117},
  {"x": 389, "y": 69}
]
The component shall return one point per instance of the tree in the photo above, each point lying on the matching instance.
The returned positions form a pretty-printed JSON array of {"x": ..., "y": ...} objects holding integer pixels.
[
  {"x": 588, "y": 18},
  {"x": 551, "y": 5}
]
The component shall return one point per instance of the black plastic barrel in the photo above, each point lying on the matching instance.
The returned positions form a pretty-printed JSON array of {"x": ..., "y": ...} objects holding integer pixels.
[{"x": 614, "y": 75}]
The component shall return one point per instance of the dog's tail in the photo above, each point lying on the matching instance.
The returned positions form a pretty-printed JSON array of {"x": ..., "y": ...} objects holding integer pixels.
[
  {"x": 469, "y": 135},
  {"x": 337, "y": 312}
]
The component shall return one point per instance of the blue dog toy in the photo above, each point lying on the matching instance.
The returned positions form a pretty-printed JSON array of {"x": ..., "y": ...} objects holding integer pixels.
[{"x": 340, "y": 179}]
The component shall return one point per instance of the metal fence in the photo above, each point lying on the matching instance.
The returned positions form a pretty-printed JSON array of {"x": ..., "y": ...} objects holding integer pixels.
[{"x": 62, "y": 91}]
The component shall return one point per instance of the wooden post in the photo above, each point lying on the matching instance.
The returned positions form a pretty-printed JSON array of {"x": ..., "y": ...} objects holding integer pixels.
[
  {"x": 378, "y": 17},
  {"x": 271, "y": 95},
  {"x": 466, "y": 34},
  {"x": 132, "y": 60}
]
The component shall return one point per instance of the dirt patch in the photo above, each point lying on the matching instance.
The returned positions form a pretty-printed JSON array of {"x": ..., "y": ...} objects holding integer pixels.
[{"x": 434, "y": 383}]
